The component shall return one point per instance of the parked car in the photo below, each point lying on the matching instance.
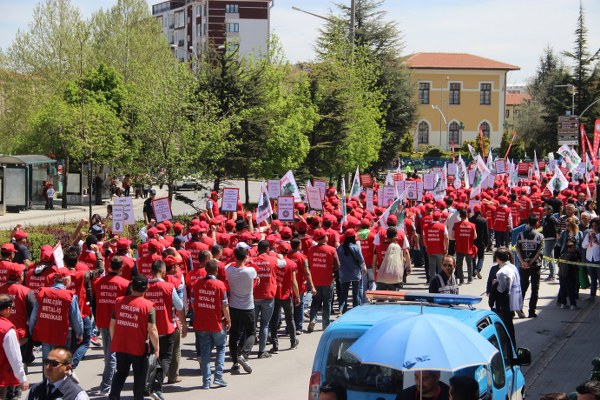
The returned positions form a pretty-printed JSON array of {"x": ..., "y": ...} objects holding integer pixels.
[
  {"x": 187, "y": 183},
  {"x": 501, "y": 379}
]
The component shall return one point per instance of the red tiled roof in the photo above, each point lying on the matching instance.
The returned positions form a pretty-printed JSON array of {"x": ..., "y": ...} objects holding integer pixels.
[
  {"x": 515, "y": 99},
  {"x": 455, "y": 61}
]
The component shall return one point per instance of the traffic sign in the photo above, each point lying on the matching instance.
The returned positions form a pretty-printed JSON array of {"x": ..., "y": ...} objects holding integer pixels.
[{"x": 568, "y": 130}]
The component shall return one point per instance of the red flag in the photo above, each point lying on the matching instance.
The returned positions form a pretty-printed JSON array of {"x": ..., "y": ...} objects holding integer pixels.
[
  {"x": 583, "y": 137},
  {"x": 452, "y": 144},
  {"x": 589, "y": 146},
  {"x": 596, "y": 135},
  {"x": 510, "y": 145}
]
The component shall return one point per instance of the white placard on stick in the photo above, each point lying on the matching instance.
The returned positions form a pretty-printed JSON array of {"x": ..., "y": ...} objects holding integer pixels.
[
  {"x": 322, "y": 185},
  {"x": 127, "y": 203},
  {"x": 285, "y": 208},
  {"x": 471, "y": 176},
  {"x": 314, "y": 198},
  {"x": 411, "y": 190},
  {"x": 230, "y": 199},
  {"x": 400, "y": 187},
  {"x": 380, "y": 197},
  {"x": 500, "y": 166},
  {"x": 389, "y": 193},
  {"x": 452, "y": 169},
  {"x": 429, "y": 181},
  {"x": 162, "y": 209},
  {"x": 274, "y": 189},
  {"x": 57, "y": 251},
  {"x": 370, "y": 204},
  {"x": 118, "y": 219},
  {"x": 420, "y": 191}
]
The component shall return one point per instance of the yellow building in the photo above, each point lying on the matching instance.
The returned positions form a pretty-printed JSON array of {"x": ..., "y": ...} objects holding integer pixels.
[{"x": 458, "y": 95}]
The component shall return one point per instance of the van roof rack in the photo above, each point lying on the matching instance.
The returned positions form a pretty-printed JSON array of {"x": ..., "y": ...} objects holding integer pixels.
[{"x": 415, "y": 297}]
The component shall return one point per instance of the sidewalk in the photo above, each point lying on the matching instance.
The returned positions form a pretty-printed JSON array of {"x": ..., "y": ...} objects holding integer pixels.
[{"x": 566, "y": 360}]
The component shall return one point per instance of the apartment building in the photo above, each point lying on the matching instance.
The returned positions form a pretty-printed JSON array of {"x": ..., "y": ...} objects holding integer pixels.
[
  {"x": 458, "y": 95},
  {"x": 191, "y": 26}
]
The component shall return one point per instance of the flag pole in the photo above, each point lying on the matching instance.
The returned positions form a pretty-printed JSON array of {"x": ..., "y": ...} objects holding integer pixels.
[{"x": 510, "y": 145}]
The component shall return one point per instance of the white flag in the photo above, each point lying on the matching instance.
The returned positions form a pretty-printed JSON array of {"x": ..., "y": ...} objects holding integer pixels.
[
  {"x": 356, "y": 187},
  {"x": 343, "y": 204},
  {"x": 490, "y": 160},
  {"x": 389, "y": 180},
  {"x": 289, "y": 187},
  {"x": 263, "y": 209},
  {"x": 536, "y": 166},
  {"x": 393, "y": 209},
  {"x": 558, "y": 181},
  {"x": 473, "y": 151}
]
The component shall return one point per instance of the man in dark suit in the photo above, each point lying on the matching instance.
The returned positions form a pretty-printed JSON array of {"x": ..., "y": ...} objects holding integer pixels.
[{"x": 58, "y": 383}]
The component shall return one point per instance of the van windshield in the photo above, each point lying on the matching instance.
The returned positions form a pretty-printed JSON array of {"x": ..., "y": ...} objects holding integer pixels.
[{"x": 346, "y": 369}]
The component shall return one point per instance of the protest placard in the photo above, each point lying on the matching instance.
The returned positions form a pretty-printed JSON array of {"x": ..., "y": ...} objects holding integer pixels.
[
  {"x": 118, "y": 223},
  {"x": 57, "y": 251},
  {"x": 229, "y": 199},
  {"x": 162, "y": 209},
  {"x": 389, "y": 193},
  {"x": 314, "y": 198},
  {"x": 452, "y": 169},
  {"x": 285, "y": 208},
  {"x": 366, "y": 180},
  {"x": 411, "y": 190},
  {"x": 500, "y": 166},
  {"x": 429, "y": 181},
  {"x": 127, "y": 204},
  {"x": 274, "y": 189},
  {"x": 370, "y": 204},
  {"x": 322, "y": 185}
]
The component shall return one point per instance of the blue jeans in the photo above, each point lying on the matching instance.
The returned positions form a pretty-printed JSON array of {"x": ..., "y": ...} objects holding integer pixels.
[
  {"x": 110, "y": 360},
  {"x": 299, "y": 313},
  {"x": 594, "y": 276},
  {"x": 549, "y": 244},
  {"x": 322, "y": 298},
  {"x": 368, "y": 283},
  {"x": 82, "y": 348},
  {"x": 356, "y": 295},
  {"x": 205, "y": 341},
  {"x": 264, "y": 309}
]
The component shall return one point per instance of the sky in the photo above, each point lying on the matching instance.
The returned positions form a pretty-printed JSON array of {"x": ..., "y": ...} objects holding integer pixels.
[{"x": 511, "y": 31}]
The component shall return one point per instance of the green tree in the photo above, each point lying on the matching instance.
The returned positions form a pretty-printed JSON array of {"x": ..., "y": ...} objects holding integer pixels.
[
  {"x": 584, "y": 74},
  {"x": 382, "y": 41}
]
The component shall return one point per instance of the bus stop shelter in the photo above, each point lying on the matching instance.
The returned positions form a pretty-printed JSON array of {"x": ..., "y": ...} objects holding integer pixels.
[{"x": 22, "y": 180}]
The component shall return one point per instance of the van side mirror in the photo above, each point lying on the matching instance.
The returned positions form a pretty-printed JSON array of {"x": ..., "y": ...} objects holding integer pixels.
[{"x": 523, "y": 357}]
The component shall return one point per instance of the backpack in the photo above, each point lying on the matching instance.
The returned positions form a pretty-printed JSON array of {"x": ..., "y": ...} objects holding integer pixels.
[{"x": 392, "y": 267}]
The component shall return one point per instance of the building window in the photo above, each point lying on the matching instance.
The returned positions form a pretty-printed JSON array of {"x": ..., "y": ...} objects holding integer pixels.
[
  {"x": 454, "y": 133},
  {"x": 198, "y": 30},
  {"x": 485, "y": 129},
  {"x": 507, "y": 113},
  {"x": 423, "y": 92},
  {"x": 179, "y": 19},
  {"x": 232, "y": 8},
  {"x": 485, "y": 94},
  {"x": 233, "y": 27},
  {"x": 454, "y": 93},
  {"x": 517, "y": 113},
  {"x": 423, "y": 133},
  {"x": 198, "y": 11}
]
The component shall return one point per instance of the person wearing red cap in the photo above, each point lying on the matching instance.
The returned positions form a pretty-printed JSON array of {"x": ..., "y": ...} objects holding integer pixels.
[
  {"x": 6, "y": 256},
  {"x": 124, "y": 252},
  {"x": 323, "y": 260},
  {"x": 515, "y": 209},
  {"x": 12, "y": 370},
  {"x": 40, "y": 275},
  {"x": 144, "y": 263},
  {"x": 502, "y": 223},
  {"x": 352, "y": 268},
  {"x": 304, "y": 280},
  {"x": 55, "y": 314},
  {"x": 22, "y": 254},
  {"x": 195, "y": 245},
  {"x": 286, "y": 296},
  {"x": 465, "y": 234},
  {"x": 435, "y": 239}
]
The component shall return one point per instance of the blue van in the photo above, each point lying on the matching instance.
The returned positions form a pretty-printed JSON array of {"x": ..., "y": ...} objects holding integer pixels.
[{"x": 501, "y": 379}]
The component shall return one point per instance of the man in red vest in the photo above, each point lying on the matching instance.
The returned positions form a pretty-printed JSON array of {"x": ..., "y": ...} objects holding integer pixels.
[
  {"x": 56, "y": 315},
  {"x": 464, "y": 232},
  {"x": 502, "y": 223},
  {"x": 123, "y": 251},
  {"x": 195, "y": 245},
  {"x": 12, "y": 371},
  {"x": 286, "y": 296},
  {"x": 323, "y": 260},
  {"x": 133, "y": 321},
  {"x": 436, "y": 240},
  {"x": 264, "y": 293},
  {"x": 40, "y": 275},
  {"x": 144, "y": 263},
  {"x": 165, "y": 298},
  {"x": 106, "y": 291},
  {"x": 210, "y": 310}
]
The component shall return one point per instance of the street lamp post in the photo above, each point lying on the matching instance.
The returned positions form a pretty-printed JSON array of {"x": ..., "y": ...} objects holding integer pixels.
[
  {"x": 573, "y": 93},
  {"x": 436, "y": 107},
  {"x": 352, "y": 20}
]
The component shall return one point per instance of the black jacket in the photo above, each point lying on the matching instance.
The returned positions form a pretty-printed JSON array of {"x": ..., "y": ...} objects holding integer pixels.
[{"x": 481, "y": 228}]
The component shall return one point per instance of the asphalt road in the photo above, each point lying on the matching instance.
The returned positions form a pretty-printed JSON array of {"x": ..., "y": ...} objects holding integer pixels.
[{"x": 286, "y": 375}]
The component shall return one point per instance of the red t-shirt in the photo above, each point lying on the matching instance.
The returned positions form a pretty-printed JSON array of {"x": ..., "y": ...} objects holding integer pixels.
[
  {"x": 77, "y": 286},
  {"x": 265, "y": 266},
  {"x": 464, "y": 234},
  {"x": 320, "y": 260},
  {"x": 299, "y": 259},
  {"x": 284, "y": 276}
]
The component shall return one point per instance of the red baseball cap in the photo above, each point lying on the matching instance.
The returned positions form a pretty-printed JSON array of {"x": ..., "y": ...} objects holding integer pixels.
[
  {"x": 476, "y": 208},
  {"x": 14, "y": 270},
  {"x": 154, "y": 245},
  {"x": 194, "y": 229},
  {"x": 20, "y": 234},
  {"x": 286, "y": 232},
  {"x": 8, "y": 248},
  {"x": 152, "y": 232},
  {"x": 123, "y": 243},
  {"x": 177, "y": 227},
  {"x": 319, "y": 234},
  {"x": 284, "y": 247},
  {"x": 350, "y": 233}
]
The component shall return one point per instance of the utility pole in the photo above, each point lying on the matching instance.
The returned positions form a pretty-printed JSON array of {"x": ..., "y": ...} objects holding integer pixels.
[{"x": 352, "y": 23}]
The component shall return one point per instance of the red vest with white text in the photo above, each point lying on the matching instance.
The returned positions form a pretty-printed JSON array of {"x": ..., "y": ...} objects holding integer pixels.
[
  {"x": 18, "y": 315},
  {"x": 131, "y": 328},
  {"x": 106, "y": 291},
  {"x": 7, "y": 377},
  {"x": 160, "y": 293},
  {"x": 52, "y": 324}
]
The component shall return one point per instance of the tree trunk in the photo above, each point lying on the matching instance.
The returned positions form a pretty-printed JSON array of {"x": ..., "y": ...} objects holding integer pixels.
[
  {"x": 170, "y": 184},
  {"x": 65, "y": 200},
  {"x": 247, "y": 190},
  {"x": 217, "y": 183}
]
